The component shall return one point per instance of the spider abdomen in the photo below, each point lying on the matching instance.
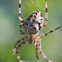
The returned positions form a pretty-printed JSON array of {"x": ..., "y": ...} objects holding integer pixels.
[{"x": 34, "y": 22}]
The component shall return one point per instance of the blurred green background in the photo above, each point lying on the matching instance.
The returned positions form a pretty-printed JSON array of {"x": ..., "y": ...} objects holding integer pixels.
[{"x": 9, "y": 30}]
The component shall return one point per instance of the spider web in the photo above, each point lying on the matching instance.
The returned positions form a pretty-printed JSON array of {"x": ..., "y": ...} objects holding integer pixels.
[{"x": 36, "y": 4}]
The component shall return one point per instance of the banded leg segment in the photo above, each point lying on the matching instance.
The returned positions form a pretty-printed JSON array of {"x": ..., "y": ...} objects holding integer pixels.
[
  {"x": 49, "y": 32},
  {"x": 46, "y": 14},
  {"x": 37, "y": 43},
  {"x": 15, "y": 50},
  {"x": 19, "y": 41},
  {"x": 41, "y": 52},
  {"x": 20, "y": 45},
  {"x": 19, "y": 15},
  {"x": 36, "y": 51},
  {"x": 21, "y": 31}
]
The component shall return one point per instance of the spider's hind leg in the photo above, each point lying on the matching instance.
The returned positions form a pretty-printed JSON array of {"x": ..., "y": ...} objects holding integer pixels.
[
  {"x": 20, "y": 45},
  {"x": 15, "y": 50},
  {"x": 19, "y": 41},
  {"x": 36, "y": 51},
  {"x": 41, "y": 52}
]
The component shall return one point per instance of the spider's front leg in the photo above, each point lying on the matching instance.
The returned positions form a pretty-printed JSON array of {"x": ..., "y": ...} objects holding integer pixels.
[
  {"x": 15, "y": 50},
  {"x": 46, "y": 14},
  {"x": 40, "y": 50},
  {"x": 19, "y": 16}
]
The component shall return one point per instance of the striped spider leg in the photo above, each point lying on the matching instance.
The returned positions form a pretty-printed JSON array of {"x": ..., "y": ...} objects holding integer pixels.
[
  {"x": 41, "y": 34},
  {"x": 19, "y": 16},
  {"x": 17, "y": 45},
  {"x": 21, "y": 29},
  {"x": 20, "y": 19},
  {"x": 39, "y": 43},
  {"x": 40, "y": 50},
  {"x": 46, "y": 14}
]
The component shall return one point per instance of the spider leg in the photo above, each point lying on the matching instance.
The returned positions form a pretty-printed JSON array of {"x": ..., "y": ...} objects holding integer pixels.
[
  {"x": 36, "y": 51},
  {"x": 50, "y": 31},
  {"x": 19, "y": 41},
  {"x": 46, "y": 14},
  {"x": 41, "y": 52},
  {"x": 21, "y": 29},
  {"x": 15, "y": 50},
  {"x": 20, "y": 45},
  {"x": 20, "y": 11},
  {"x": 36, "y": 47}
]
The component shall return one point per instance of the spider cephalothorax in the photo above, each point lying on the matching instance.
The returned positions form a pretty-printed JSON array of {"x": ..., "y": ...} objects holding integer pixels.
[
  {"x": 32, "y": 26},
  {"x": 34, "y": 23}
]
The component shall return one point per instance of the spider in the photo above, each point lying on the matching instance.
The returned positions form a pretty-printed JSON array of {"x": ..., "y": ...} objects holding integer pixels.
[{"x": 32, "y": 26}]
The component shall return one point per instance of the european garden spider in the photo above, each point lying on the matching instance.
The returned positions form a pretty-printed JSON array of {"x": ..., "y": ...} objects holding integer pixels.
[{"x": 32, "y": 26}]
